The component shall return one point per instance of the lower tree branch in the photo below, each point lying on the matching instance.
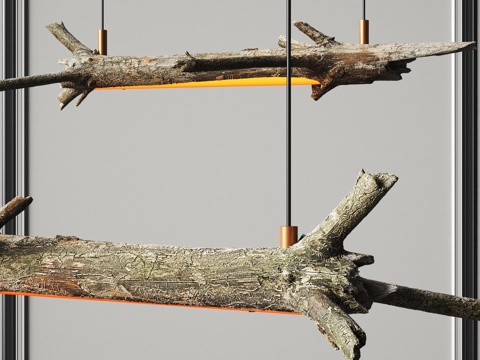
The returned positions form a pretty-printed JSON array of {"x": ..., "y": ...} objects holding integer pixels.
[
  {"x": 423, "y": 300},
  {"x": 332, "y": 321},
  {"x": 316, "y": 277}
]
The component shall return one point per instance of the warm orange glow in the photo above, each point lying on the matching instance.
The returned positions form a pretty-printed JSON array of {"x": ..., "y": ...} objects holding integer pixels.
[
  {"x": 143, "y": 303},
  {"x": 267, "y": 81}
]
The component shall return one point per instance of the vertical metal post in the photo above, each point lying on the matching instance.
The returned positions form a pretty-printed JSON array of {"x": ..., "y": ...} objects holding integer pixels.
[
  {"x": 469, "y": 175},
  {"x": 13, "y": 165},
  {"x": 9, "y": 308}
]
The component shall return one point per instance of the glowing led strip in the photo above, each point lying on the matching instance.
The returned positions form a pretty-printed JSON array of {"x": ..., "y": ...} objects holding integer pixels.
[{"x": 267, "y": 81}]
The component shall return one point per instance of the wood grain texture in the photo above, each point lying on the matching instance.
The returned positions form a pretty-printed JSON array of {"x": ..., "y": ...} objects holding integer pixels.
[
  {"x": 316, "y": 277},
  {"x": 329, "y": 62},
  {"x": 266, "y": 279}
]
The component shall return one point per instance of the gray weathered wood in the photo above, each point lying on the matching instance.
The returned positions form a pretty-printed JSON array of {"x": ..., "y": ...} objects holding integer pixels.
[
  {"x": 329, "y": 62},
  {"x": 423, "y": 300},
  {"x": 316, "y": 277}
]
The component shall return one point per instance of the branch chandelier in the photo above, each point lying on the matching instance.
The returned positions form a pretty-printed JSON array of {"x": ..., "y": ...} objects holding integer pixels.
[{"x": 316, "y": 276}]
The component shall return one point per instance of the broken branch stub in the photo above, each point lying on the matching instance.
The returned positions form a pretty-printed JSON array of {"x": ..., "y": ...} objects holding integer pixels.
[
  {"x": 329, "y": 62},
  {"x": 13, "y": 208}
]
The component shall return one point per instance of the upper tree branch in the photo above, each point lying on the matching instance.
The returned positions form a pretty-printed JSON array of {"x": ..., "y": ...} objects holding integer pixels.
[
  {"x": 318, "y": 37},
  {"x": 328, "y": 62},
  {"x": 67, "y": 39},
  {"x": 365, "y": 195}
]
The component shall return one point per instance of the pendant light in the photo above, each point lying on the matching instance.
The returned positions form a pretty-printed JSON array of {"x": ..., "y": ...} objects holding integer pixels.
[
  {"x": 102, "y": 34},
  {"x": 265, "y": 81},
  {"x": 288, "y": 233},
  {"x": 364, "y": 26}
]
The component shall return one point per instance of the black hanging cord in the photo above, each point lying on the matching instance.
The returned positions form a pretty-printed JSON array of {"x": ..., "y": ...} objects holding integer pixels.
[
  {"x": 364, "y": 10},
  {"x": 289, "y": 116},
  {"x": 103, "y": 14}
]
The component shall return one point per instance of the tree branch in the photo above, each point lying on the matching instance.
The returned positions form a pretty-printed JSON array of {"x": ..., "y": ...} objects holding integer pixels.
[
  {"x": 286, "y": 280},
  {"x": 422, "y": 300},
  {"x": 328, "y": 62},
  {"x": 13, "y": 208},
  {"x": 68, "y": 40},
  {"x": 365, "y": 195},
  {"x": 318, "y": 37},
  {"x": 341, "y": 330},
  {"x": 315, "y": 277},
  {"x": 39, "y": 80}
]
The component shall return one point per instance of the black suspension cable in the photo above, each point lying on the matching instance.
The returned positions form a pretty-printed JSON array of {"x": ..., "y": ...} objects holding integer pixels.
[
  {"x": 103, "y": 14},
  {"x": 364, "y": 25},
  {"x": 288, "y": 233},
  {"x": 102, "y": 33},
  {"x": 289, "y": 117}
]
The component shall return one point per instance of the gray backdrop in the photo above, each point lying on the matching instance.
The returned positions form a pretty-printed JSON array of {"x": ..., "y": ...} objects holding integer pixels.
[{"x": 205, "y": 167}]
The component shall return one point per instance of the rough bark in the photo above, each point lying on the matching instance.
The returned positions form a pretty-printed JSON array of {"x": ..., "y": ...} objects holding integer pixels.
[
  {"x": 13, "y": 208},
  {"x": 422, "y": 300},
  {"x": 329, "y": 62},
  {"x": 316, "y": 277}
]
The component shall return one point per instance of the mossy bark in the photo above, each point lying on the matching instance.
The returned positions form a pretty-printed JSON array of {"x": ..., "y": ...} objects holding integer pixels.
[
  {"x": 311, "y": 277},
  {"x": 316, "y": 277}
]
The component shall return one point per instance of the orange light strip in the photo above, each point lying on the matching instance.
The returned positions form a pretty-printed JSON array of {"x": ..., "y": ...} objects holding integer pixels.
[
  {"x": 144, "y": 303},
  {"x": 266, "y": 81}
]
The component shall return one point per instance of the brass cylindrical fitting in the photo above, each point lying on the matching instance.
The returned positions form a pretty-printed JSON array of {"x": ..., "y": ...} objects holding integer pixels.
[
  {"x": 288, "y": 236},
  {"x": 102, "y": 42},
  {"x": 364, "y": 32}
]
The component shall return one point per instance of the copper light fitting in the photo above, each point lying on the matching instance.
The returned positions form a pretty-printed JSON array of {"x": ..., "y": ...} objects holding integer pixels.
[
  {"x": 102, "y": 42},
  {"x": 364, "y": 32},
  {"x": 288, "y": 236}
]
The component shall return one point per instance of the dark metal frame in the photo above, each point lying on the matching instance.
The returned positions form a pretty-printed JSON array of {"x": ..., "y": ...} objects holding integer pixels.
[
  {"x": 11, "y": 322},
  {"x": 469, "y": 175},
  {"x": 9, "y": 309}
]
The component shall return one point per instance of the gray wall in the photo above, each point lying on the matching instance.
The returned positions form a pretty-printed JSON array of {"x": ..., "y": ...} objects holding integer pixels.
[{"x": 204, "y": 167}]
